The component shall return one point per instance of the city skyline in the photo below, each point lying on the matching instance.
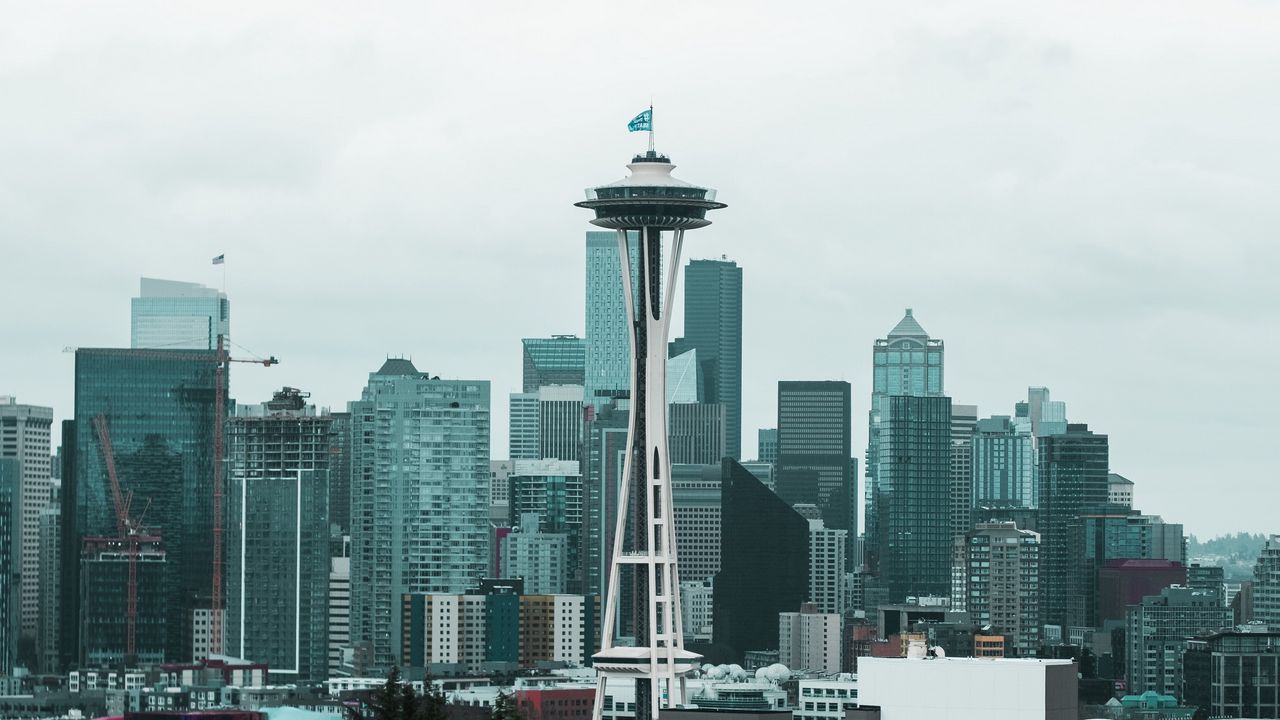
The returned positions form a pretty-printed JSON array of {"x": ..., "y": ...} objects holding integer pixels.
[{"x": 339, "y": 231}]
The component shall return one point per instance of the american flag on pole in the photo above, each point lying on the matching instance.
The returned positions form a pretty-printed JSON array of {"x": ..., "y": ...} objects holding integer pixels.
[{"x": 220, "y": 259}]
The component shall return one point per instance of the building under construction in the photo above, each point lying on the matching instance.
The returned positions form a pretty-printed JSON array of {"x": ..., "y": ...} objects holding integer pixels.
[{"x": 105, "y": 578}]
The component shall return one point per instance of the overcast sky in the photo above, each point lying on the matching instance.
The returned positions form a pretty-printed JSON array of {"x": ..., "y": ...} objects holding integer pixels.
[{"x": 1077, "y": 195}]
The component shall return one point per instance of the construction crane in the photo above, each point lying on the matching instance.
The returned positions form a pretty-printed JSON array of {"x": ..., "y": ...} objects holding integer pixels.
[
  {"x": 220, "y": 358},
  {"x": 131, "y": 534}
]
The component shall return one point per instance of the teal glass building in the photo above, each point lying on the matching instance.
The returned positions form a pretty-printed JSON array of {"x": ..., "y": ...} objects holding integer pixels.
[
  {"x": 557, "y": 360},
  {"x": 1003, "y": 463},
  {"x": 713, "y": 327},
  {"x": 1073, "y": 479},
  {"x": 159, "y": 407},
  {"x": 608, "y": 335},
  {"x": 815, "y": 448},
  {"x": 905, "y": 363},
  {"x": 172, "y": 314},
  {"x": 10, "y": 561},
  {"x": 419, "y": 496}
]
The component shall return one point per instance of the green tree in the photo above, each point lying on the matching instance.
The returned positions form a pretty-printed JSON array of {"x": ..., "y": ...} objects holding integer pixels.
[
  {"x": 432, "y": 704},
  {"x": 504, "y": 708},
  {"x": 389, "y": 700}
]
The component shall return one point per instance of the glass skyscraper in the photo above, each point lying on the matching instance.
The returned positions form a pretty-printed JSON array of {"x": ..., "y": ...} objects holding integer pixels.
[
  {"x": 557, "y": 360},
  {"x": 815, "y": 448},
  {"x": 172, "y": 314},
  {"x": 907, "y": 362},
  {"x": 159, "y": 408},
  {"x": 278, "y": 468},
  {"x": 913, "y": 542},
  {"x": 1003, "y": 463},
  {"x": 10, "y": 560},
  {"x": 713, "y": 327},
  {"x": 608, "y": 338},
  {"x": 1072, "y": 479},
  {"x": 419, "y": 496}
]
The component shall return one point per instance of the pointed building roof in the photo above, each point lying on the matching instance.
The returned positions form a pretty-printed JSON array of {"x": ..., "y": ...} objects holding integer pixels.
[
  {"x": 398, "y": 366},
  {"x": 908, "y": 327}
]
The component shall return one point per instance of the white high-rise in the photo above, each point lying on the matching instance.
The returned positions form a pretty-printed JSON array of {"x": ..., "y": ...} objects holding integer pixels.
[
  {"x": 178, "y": 315},
  {"x": 827, "y": 548},
  {"x": 25, "y": 436}
]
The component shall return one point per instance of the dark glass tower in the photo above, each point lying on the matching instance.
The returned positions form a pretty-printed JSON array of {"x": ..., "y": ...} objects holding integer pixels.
[
  {"x": 815, "y": 463},
  {"x": 713, "y": 326},
  {"x": 1073, "y": 479},
  {"x": 913, "y": 499},
  {"x": 764, "y": 565},
  {"x": 159, "y": 407}
]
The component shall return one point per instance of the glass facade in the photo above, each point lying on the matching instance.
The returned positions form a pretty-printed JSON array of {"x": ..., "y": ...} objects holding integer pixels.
[
  {"x": 1003, "y": 463},
  {"x": 1072, "y": 480},
  {"x": 907, "y": 362},
  {"x": 764, "y": 566},
  {"x": 172, "y": 314},
  {"x": 419, "y": 496},
  {"x": 553, "y": 491},
  {"x": 104, "y": 603},
  {"x": 815, "y": 448},
  {"x": 608, "y": 339},
  {"x": 10, "y": 560},
  {"x": 713, "y": 327},
  {"x": 557, "y": 360},
  {"x": 159, "y": 407},
  {"x": 914, "y": 497},
  {"x": 277, "y": 579}
]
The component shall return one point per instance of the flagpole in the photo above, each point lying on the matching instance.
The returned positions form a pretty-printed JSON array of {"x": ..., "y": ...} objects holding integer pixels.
[{"x": 651, "y": 126}]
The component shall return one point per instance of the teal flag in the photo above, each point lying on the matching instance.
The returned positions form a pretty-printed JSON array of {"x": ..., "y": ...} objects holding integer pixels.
[{"x": 641, "y": 122}]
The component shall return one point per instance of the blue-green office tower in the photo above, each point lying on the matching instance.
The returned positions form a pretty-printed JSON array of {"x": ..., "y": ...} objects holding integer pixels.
[
  {"x": 607, "y": 359},
  {"x": 1073, "y": 480},
  {"x": 419, "y": 496},
  {"x": 159, "y": 408},
  {"x": 713, "y": 326}
]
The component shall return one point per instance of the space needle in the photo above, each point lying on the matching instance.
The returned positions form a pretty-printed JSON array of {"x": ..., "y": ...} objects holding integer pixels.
[{"x": 649, "y": 207}]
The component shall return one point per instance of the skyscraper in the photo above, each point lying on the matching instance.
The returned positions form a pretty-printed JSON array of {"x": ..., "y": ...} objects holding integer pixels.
[
  {"x": 419, "y": 495},
  {"x": 159, "y": 410},
  {"x": 278, "y": 558},
  {"x": 607, "y": 357},
  {"x": 1156, "y": 633},
  {"x": 1073, "y": 478},
  {"x": 1266, "y": 584},
  {"x": 522, "y": 424},
  {"x": 49, "y": 637},
  {"x": 767, "y": 445},
  {"x": 550, "y": 492},
  {"x": 179, "y": 315},
  {"x": 764, "y": 565},
  {"x": 697, "y": 433},
  {"x": 1003, "y": 463},
  {"x": 827, "y": 548},
  {"x": 546, "y": 423},
  {"x": 695, "y": 495},
  {"x": 557, "y": 360},
  {"x": 713, "y": 326},
  {"x": 1048, "y": 417},
  {"x": 10, "y": 561},
  {"x": 25, "y": 436},
  {"x": 912, "y": 545},
  {"x": 907, "y": 362},
  {"x": 815, "y": 448},
  {"x": 964, "y": 418}
]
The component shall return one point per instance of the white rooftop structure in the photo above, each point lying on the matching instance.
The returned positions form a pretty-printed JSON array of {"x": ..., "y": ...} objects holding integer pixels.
[{"x": 968, "y": 688}]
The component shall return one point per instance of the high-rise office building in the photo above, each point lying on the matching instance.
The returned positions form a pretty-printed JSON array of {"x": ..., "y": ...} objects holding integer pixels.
[
  {"x": 339, "y": 610},
  {"x": 1003, "y": 463},
  {"x": 913, "y": 543},
  {"x": 105, "y": 577},
  {"x": 10, "y": 561},
  {"x": 1266, "y": 584},
  {"x": 906, "y": 362},
  {"x": 1124, "y": 556},
  {"x": 278, "y": 538},
  {"x": 697, "y": 433},
  {"x": 1072, "y": 479},
  {"x": 419, "y": 495},
  {"x": 764, "y": 565},
  {"x": 1119, "y": 490},
  {"x": 522, "y": 425},
  {"x": 557, "y": 360},
  {"x": 539, "y": 558},
  {"x": 560, "y": 422},
  {"x": 767, "y": 445},
  {"x": 340, "y": 475},
  {"x": 964, "y": 418},
  {"x": 1001, "y": 583},
  {"x": 1048, "y": 417},
  {"x": 607, "y": 356},
  {"x": 1156, "y": 634},
  {"x": 159, "y": 413},
  {"x": 827, "y": 588},
  {"x": 179, "y": 315},
  {"x": 685, "y": 378},
  {"x": 695, "y": 499},
  {"x": 605, "y": 433},
  {"x": 25, "y": 436},
  {"x": 815, "y": 448},
  {"x": 713, "y": 326}
]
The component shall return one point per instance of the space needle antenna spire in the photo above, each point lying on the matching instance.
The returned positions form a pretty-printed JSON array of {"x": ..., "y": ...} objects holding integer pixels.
[{"x": 647, "y": 209}]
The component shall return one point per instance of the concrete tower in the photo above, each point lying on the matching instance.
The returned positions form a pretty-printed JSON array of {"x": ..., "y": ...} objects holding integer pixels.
[{"x": 648, "y": 203}]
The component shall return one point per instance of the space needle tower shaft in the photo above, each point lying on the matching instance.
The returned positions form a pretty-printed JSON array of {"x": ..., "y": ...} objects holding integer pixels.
[{"x": 651, "y": 209}]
